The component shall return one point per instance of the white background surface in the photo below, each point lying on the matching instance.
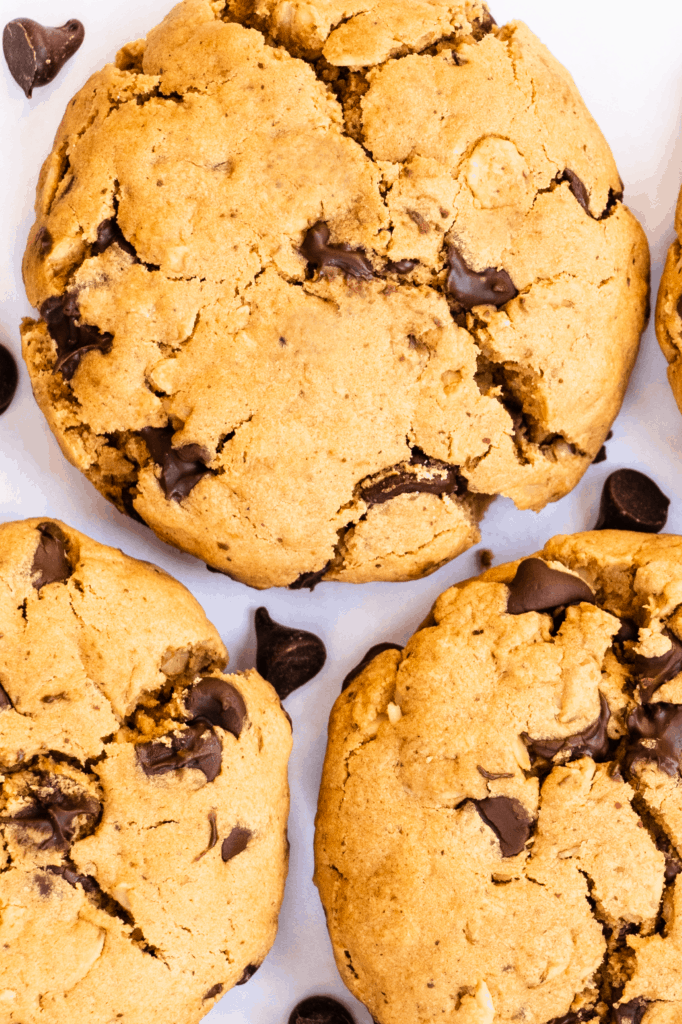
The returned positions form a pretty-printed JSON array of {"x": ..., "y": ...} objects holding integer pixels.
[{"x": 628, "y": 66}]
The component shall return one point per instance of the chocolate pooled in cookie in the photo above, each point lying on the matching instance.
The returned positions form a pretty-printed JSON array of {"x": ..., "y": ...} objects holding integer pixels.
[{"x": 35, "y": 54}]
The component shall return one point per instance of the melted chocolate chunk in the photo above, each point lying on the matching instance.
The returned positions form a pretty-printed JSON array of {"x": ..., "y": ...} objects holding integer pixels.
[
  {"x": 421, "y": 475},
  {"x": 655, "y": 734},
  {"x": 577, "y": 188},
  {"x": 109, "y": 233},
  {"x": 286, "y": 657},
  {"x": 593, "y": 742},
  {"x": 370, "y": 656},
  {"x": 236, "y": 843},
  {"x": 309, "y": 580},
  {"x": 5, "y": 702},
  {"x": 51, "y": 559},
  {"x": 197, "y": 746},
  {"x": 248, "y": 973},
  {"x": 631, "y": 501},
  {"x": 44, "y": 242},
  {"x": 679, "y": 307},
  {"x": 401, "y": 266},
  {"x": 509, "y": 820},
  {"x": 35, "y": 54},
  {"x": 214, "y": 991},
  {"x": 9, "y": 378},
  {"x": 218, "y": 702},
  {"x": 317, "y": 251},
  {"x": 320, "y": 1010},
  {"x": 493, "y": 776},
  {"x": 489, "y": 288},
  {"x": 601, "y": 456},
  {"x": 54, "y": 813},
  {"x": 653, "y": 672},
  {"x": 573, "y": 1018},
  {"x": 181, "y": 468},
  {"x": 537, "y": 588},
  {"x": 629, "y": 630},
  {"x": 69, "y": 873},
  {"x": 73, "y": 340},
  {"x": 630, "y": 1013}
]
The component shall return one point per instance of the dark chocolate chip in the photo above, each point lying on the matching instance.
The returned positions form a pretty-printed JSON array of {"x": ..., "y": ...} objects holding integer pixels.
[
  {"x": 593, "y": 742},
  {"x": 372, "y": 653},
  {"x": 653, "y": 672},
  {"x": 509, "y": 820},
  {"x": 5, "y": 702},
  {"x": 574, "y": 1018},
  {"x": 422, "y": 223},
  {"x": 286, "y": 657},
  {"x": 601, "y": 456},
  {"x": 629, "y": 630},
  {"x": 317, "y": 251},
  {"x": 127, "y": 500},
  {"x": 491, "y": 287},
  {"x": 44, "y": 241},
  {"x": 631, "y": 501},
  {"x": 537, "y": 588},
  {"x": 320, "y": 1010},
  {"x": 236, "y": 842},
  {"x": 197, "y": 746},
  {"x": 630, "y": 1013},
  {"x": 35, "y": 54},
  {"x": 109, "y": 233},
  {"x": 69, "y": 873},
  {"x": 219, "y": 702},
  {"x": 51, "y": 559},
  {"x": 248, "y": 973},
  {"x": 493, "y": 776},
  {"x": 679, "y": 307},
  {"x": 421, "y": 475},
  {"x": 401, "y": 266},
  {"x": 309, "y": 580},
  {"x": 483, "y": 26},
  {"x": 9, "y": 378},
  {"x": 214, "y": 991},
  {"x": 55, "y": 813},
  {"x": 73, "y": 339},
  {"x": 655, "y": 735},
  {"x": 181, "y": 468},
  {"x": 577, "y": 188}
]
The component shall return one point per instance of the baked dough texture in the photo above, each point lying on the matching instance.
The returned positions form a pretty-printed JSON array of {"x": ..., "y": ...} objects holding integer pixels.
[
  {"x": 669, "y": 310},
  {"x": 499, "y": 831},
  {"x": 317, "y": 280},
  {"x": 144, "y": 792}
]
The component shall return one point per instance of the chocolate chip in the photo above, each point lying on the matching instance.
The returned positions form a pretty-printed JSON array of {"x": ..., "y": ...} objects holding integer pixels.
[
  {"x": 537, "y": 588},
  {"x": 653, "y": 672},
  {"x": 422, "y": 224},
  {"x": 44, "y": 242},
  {"x": 317, "y": 251},
  {"x": 286, "y": 657},
  {"x": 601, "y": 456},
  {"x": 372, "y": 653},
  {"x": 401, "y": 266},
  {"x": 630, "y": 1013},
  {"x": 9, "y": 378},
  {"x": 421, "y": 475},
  {"x": 509, "y": 820},
  {"x": 320, "y": 1010},
  {"x": 51, "y": 559},
  {"x": 197, "y": 746},
  {"x": 493, "y": 776},
  {"x": 577, "y": 188},
  {"x": 236, "y": 843},
  {"x": 73, "y": 340},
  {"x": 491, "y": 287},
  {"x": 574, "y": 1018},
  {"x": 214, "y": 991},
  {"x": 181, "y": 468},
  {"x": 309, "y": 580},
  {"x": 35, "y": 54},
  {"x": 483, "y": 26},
  {"x": 592, "y": 742},
  {"x": 655, "y": 735},
  {"x": 5, "y": 702},
  {"x": 631, "y": 501},
  {"x": 679, "y": 307},
  {"x": 218, "y": 702},
  {"x": 69, "y": 873},
  {"x": 109, "y": 233},
  {"x": 55, "y": 812},
  {"x": 248, "y": 973},
  {"x": 629, "y": 630}
]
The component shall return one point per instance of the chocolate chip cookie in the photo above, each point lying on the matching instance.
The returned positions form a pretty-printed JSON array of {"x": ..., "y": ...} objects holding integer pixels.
[
  {"x": 669, "y": 309},
  {"x": 317, "y": 280},
  {"x": 499, "y": 833},
  {"x": 143, "y": 797}
]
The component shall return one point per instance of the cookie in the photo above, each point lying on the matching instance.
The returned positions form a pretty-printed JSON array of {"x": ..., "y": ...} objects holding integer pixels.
[
  {"x": 144, "y": 792},
  {"x": 499, "y": 831},
  {"x": 669, "y": 309},
  {"x": 318, "y": 280}
]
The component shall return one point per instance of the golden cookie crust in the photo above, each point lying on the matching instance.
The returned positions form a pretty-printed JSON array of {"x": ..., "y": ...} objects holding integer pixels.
[
  {"x": 116, "y": 893},
  {"x": 433, "y": 911},
  {"x": 669, "y": 310},
  {"x": 172, "y": 248}
]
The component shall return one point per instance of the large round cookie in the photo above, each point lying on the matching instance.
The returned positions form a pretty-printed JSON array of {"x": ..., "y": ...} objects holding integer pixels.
[
  {"x": 499, "y": 831},
  {"x": 313, "y": 290},
  {"x": 669, "y": 309},
  {"x": 144, "y": 793}
]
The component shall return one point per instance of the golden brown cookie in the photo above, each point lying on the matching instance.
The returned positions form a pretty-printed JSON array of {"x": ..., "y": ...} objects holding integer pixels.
[
  {"x": 143, "y": 798},
  {"x": 499, "y": 831},
  {"x": 317, "y": 280},
  {"x": 669, "y": 310}
]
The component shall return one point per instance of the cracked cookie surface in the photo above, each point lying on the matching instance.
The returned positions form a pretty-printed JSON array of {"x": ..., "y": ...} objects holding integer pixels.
[
  {"x": 317, "y": 280},
  {"x": 669, "y": 309},
  {"x": 143, "y": 798},
  {"x": 499, "y": 831}
]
